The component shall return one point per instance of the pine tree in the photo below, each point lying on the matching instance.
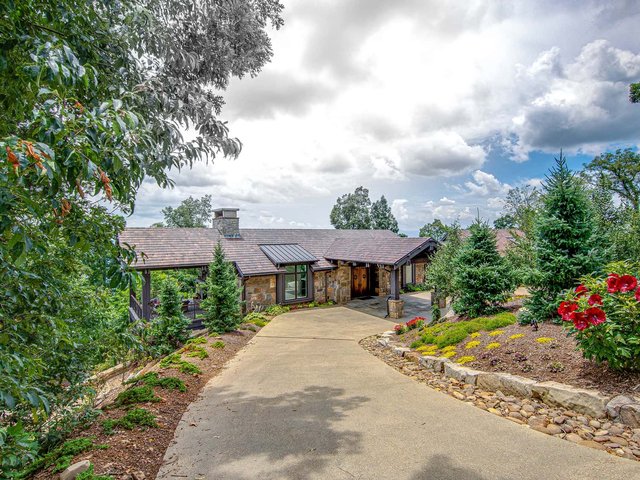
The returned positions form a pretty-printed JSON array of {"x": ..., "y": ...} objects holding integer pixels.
[
  {"x": 562, "y": 241},
  {"x": 482, "y": 280},
  {"x": 222, "y": 305},
  {"x": 381, "y": 216},
  {"x": 170, "y": 329}
]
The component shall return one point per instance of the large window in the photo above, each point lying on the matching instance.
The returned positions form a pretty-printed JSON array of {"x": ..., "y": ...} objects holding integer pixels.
[
  {"x": 296, "y": 283},
  {"x": 408, "y": 273}
]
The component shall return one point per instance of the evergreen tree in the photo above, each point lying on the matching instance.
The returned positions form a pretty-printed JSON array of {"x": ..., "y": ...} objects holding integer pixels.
[
  {"x": 222, "y": 305},
  {"x": 482, "y": 280},
  {"x": 438, "y": 272},
  {"x": 562, "y": 241},
  {"x": 170, "y": 329},
  {"x": 381, "y": 216}
]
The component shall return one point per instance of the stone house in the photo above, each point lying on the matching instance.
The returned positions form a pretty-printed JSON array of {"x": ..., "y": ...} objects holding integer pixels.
[{"x": 286, "y": 266}]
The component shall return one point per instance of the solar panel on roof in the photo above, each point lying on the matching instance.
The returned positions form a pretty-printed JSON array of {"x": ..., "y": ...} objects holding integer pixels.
[{"x": 287, "y": 254}]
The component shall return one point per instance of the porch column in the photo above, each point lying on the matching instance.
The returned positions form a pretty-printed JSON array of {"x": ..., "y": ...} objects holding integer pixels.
[
  {"x": 395, "y": 284},
  {"x": 146, "y": 294}
]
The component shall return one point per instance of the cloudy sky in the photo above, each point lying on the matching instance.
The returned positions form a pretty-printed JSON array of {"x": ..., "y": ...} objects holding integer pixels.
[{"x": 441, "y": 106}]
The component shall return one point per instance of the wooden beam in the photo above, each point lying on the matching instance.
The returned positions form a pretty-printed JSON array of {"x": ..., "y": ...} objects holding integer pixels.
[{"x": 146, "y": 295}]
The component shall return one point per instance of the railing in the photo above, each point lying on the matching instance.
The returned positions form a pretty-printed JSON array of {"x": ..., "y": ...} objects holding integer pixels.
[{"x": 135, "y": 309}]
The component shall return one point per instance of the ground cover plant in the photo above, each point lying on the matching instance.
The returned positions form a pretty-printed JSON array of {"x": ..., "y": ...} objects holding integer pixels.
[{"x": 136, "y": 417}]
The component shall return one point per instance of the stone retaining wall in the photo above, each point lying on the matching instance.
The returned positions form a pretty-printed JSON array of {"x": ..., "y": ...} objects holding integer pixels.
[{"x": 260, "y": 291}]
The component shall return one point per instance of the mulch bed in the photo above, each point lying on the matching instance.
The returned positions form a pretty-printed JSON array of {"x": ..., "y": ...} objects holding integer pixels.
[
  {"x": 137, "y": 454},
  {"x": 558, "y": 360}
]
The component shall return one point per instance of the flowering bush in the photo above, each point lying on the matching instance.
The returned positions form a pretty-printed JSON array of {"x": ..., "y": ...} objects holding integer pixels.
[
  {"x": 604, "y": 315},
  {"x": 415, "y": 322},
  {"x": 399, "y": 329}
]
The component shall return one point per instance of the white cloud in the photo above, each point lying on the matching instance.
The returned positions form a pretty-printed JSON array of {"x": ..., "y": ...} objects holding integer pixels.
[
  {"x": 446, "y": 201},
  {"x": 399, "y": 209},
  {"x": 485, "y": 184}
]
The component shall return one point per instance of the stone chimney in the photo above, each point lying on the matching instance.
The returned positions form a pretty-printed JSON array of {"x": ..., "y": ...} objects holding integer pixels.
[{"x": 226, "y": 221}]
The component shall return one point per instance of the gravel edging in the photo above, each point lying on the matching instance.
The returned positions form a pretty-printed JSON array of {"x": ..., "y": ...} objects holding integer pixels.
[{"x": 581, "y": 416}]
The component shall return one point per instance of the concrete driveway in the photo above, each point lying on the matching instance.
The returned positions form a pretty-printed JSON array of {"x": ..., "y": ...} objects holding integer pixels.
[{"x": 305, "y": 401}]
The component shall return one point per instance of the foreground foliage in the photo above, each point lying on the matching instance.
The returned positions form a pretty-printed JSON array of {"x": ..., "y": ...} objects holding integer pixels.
[{"x": 603, "y": 313}]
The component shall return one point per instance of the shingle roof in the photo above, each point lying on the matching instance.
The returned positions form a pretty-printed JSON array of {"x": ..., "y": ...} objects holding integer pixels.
[
  {"x": 504, "y": 237},
  {"x": 287, "y": 254},
  {"x": 166, "y": 248},
  {"x": 392, "y": 251}
]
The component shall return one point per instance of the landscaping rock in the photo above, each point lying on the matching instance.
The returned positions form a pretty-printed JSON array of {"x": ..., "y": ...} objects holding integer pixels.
[
  {"x": 630, "y": 415},
  {"x": 578, "y": 399},
  {"x": 505, "y": 382},
  {"x": 383, "y": 342},
  {"x": 616, "y": 403},
  {"x": 74, "y": 470},
  {"x": 435, "y": 364},
  {"x": 460, "y": 373},
  {"x": 400, "y": 351}
]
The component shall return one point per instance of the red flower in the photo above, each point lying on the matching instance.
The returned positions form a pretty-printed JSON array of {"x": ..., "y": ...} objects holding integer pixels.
[
  {"x": 638, "y": 294},
  {"x": 581, "y": 290},
  {"x": 628, "y": 283},
  {"x": 613, "y": 283},
  {"x": 566, "y": 309},
  {"x": 595, "y": 299},
  {"x": 579, "y": 320},
  {"x": 397, "y": 328},
  {"x": 595, "y": 315}
]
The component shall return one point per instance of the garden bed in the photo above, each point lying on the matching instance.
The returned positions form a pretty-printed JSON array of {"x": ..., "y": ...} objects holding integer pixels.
[
  {"x": 547, "y": 354},
  {"x": 137, "y": 454}
]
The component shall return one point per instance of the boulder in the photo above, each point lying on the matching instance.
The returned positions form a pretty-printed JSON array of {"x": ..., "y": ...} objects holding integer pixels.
[
  {"x": 616, "y": 403},
  {"x": 460, "y": 373},
  {"x": 578, "y": 399},
  {"x": 505, "y": 382},
  {"x": 383, "y": 342},
  {"x": 435, "y": 364},
  {"x": 630, "y": 415},
  {"x": 400, "y": 351},
  {"x": 74, "y": 470}
]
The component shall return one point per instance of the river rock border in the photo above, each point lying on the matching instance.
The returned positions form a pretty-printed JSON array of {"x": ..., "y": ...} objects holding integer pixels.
[{"x": 575, "y": 414}]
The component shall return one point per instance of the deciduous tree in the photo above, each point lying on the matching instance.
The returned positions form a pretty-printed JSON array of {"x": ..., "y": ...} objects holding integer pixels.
[
  {"x": 352, "y": 211},
  {"x": 190, "y": 213}
]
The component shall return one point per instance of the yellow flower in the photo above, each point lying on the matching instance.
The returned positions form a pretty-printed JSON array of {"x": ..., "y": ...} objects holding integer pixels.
[
  {"x": 472, "y": 344},
  {"x": 516, "y": 335},
  {"x": 449, "y": 348},
  {"x": 449, "y": 354},
  {"x": 545, "y": 340},
  {"x": 495, "y": 333},
  {"x": 465, "y": 359},
  {"x": 493, "y": 345},
  {"x": 475, "y": 335}
]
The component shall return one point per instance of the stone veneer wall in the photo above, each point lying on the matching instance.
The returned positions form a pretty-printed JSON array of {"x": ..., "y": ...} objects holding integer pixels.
[
  {"x": 420, "y": 268},
  {"x": 320, "y": 295},
  {"x": 338, "y": 284},
  {"x": 384, "y": 282},
  {"x": 259, "y": 292}
]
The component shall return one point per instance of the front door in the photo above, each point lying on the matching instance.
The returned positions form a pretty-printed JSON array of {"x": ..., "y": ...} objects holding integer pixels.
[{"x": 360, "y": 282}]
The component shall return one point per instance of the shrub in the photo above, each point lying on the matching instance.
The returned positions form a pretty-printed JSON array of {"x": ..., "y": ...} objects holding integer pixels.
[
  {"x": 416, "y": 287},
  {"x": 136, "y": 417},
  {"x": 481, "y": 277},
  {"x": 222, "y": 305},
  {"x": 89, "y": 475},
  {"x": 603, "y": 313},
  {"x": 274, "y": 310},
  {"x": 195, "y": 351},
  {"x": 400, "y": 329},
  {"x": 196, "y": 340},
  {"x": 153, "y": 380},
  {"x": 256, "y": 318},
  {"x": 415, "y": 322},
  {"x": 175, "y": 361},
  {"x": 142, "y": 394}
]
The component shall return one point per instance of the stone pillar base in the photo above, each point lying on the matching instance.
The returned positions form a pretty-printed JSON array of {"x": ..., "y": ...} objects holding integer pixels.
[{"x": 396, "y": 309}]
